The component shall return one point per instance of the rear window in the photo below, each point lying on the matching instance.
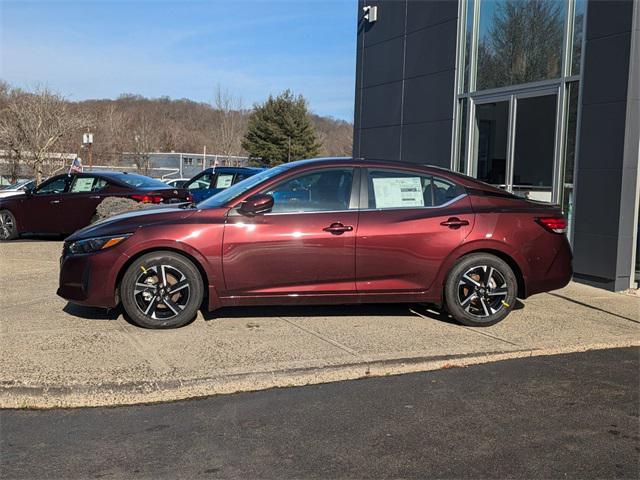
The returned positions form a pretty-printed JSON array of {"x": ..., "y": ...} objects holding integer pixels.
[{"x": 140, "y": 181}]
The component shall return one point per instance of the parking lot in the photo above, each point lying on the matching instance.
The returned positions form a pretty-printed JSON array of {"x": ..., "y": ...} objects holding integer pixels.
[{"x": 57, "y": 354}]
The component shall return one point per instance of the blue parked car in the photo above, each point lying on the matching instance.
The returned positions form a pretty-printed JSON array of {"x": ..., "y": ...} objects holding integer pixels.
[{"x": 213, "y": 180}]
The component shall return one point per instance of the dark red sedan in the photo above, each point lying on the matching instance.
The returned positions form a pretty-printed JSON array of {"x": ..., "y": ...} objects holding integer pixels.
[
  {"x": 64, "y": 203},
  {"x": 324, "y": 231}
]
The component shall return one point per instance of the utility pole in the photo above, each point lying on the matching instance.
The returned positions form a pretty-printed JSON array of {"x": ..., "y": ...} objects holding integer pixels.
[
  {"x": 289, "y": 152},
  {"x": 204, "y": 158},
  {"x": 87, "y": 140}
]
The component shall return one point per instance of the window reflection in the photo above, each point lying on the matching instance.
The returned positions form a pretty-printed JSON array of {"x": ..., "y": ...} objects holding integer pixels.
[
  {"x": 578, "y": 24},
  {"x": 492, "y": 120},
  {"x": 519, "y": 41},
  {"x": 533, "y": 152}
]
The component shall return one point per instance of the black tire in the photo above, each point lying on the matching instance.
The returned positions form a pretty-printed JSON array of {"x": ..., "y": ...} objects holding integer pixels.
[
  {"x": 480, "y": 290},
  {"x": 152, "y": 302},
  {"x": 8, "y": 225}
]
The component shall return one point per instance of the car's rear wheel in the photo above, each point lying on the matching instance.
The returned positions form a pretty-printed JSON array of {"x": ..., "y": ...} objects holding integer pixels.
[
  {"x": 480, "y": 290},
  {"x": 162, "y": 290},
  {"x": 8, "y": 226}
]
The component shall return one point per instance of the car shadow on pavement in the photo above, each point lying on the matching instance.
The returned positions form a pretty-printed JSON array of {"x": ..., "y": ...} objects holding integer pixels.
[
  {"x": 92, "y": 313},
  {"x": 367, "y": 310}
]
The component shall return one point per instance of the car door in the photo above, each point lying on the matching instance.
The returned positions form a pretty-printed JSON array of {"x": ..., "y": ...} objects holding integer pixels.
[
  {"x": 42, "y": 209},
  {"x": 410, "y": 224},
  {"x": 305, "y": 245},
  {"x": 80, "y": 202}
]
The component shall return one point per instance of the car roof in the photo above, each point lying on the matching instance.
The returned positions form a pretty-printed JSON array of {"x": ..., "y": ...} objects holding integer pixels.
[{"x": 456, "y": 177}]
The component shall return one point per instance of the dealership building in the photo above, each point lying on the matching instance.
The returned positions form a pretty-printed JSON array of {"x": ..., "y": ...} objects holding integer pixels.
[{"x": 539, "y": 97}]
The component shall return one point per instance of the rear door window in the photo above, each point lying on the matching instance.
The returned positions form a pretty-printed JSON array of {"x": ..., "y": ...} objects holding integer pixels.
[
  {"x": 393, "y": 189},
  {"x": 224, "y": 180},
  {"x": 87, "y": 184}
]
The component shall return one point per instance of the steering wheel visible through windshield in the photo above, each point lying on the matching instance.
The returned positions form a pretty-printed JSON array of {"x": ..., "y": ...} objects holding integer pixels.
[{"x": 239, "y": 188}]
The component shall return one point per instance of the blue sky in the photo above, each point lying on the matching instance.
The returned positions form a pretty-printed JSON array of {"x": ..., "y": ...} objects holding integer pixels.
[{"x": 183, "y": 49}]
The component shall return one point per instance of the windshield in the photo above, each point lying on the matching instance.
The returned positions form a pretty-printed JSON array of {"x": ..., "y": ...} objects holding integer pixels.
[
  {"x": 239, "y": 188},
  {"x": 137, "y": 181}
]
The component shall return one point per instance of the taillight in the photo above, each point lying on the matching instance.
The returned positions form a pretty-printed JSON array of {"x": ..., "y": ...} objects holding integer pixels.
[
  {"x": 147, "y": 198},
  {"x": 189, "y": 198},
  {"x": 553, "y": 224}
]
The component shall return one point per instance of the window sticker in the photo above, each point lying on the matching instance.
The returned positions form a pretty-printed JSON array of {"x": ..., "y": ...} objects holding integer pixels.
[
  {"x": 82, "y": 184},
  {"x": 398, "y": 192},
  {"x": 224, "y": 181}
]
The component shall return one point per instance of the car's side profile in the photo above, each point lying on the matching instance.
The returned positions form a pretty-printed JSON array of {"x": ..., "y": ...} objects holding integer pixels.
[
  {"x": 325, "y": 231},
  {"x": 213, "y": 180},
  {"x": 64, "y": 203}
]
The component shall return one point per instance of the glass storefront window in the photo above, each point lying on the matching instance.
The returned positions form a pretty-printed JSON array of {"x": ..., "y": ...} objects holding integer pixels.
[
  {"x": 519, "y": 42},
  {"x": 533, "y": 151},
  {"x": 492, "y": 121},
  {"x": 578, "y": 24},
  {"x": 570, "y": 153},
  {"x": 468, "y": 39},
  {"x": 462, "y": 148}
]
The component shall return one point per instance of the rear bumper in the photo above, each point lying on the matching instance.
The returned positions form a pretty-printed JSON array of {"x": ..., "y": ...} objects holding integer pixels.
[
  {"x": 89, "y": 279},
  {"x": 557, "y": 275}
]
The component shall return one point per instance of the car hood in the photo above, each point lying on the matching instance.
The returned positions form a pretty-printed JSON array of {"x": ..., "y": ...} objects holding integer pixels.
[
  {"x": 11, "y": 196},
  {"x": 131, "y": 221}
]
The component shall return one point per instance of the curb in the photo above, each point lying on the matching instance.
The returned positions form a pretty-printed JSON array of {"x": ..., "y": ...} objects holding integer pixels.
[{"x": 18, "y": 396}]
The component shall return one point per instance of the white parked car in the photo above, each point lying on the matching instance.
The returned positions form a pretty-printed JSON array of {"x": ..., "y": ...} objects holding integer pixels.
[{"x": 17, "y": 188}]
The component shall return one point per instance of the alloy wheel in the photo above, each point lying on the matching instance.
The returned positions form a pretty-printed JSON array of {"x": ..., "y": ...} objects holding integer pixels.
[
  {"x": 482, "y": 291},
  {"x": 6, "y": 226},
  {"x": 161, "y": 292}
]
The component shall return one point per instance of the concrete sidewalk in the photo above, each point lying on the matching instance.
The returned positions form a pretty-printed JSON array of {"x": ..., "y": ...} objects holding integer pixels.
[{"x": 55, "y": 354}]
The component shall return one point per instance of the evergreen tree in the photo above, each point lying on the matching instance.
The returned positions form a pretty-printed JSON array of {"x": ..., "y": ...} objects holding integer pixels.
[{"x": 280, "y": 130}]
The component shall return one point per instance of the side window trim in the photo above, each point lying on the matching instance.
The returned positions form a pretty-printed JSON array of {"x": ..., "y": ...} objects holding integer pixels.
[{"x": 364, "y": 191}]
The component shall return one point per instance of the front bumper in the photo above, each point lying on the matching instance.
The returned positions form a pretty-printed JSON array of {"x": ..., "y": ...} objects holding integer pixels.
[{"x": 90, "y": 279}]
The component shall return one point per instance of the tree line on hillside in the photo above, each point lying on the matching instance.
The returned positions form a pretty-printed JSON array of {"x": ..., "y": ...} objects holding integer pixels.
[{"x": 40, "y": 122}]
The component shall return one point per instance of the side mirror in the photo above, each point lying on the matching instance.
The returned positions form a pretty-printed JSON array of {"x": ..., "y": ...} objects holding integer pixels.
[
  {"x": 29, "y": 191},
  {"x": 256, "y": 204}
]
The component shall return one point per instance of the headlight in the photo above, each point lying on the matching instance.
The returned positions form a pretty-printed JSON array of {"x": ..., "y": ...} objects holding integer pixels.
[{"x": 95, "y": 244}]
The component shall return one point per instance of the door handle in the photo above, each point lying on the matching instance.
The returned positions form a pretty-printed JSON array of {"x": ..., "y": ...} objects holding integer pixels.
[
  {"x": 54, "y": 201},
  {"x": 338, "y": 228},
  {"x": 454, "y": 223},
  {"x": 94, "y": 197}
]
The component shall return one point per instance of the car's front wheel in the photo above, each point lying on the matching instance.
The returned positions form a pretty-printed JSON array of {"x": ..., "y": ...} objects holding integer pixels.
[
  {"x": 480, "y": 290},
  {"x": 162, "y": 290},
  {"x": 8, "y": 226}
]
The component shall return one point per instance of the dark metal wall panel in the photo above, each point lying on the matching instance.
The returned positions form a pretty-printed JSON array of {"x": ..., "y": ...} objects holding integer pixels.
[
  {"x": 422, "y": 143},
  {"x": 421, "y": 13},
  {"x": 425, "y": 99},
  {"x": 405, "y": 81},
  {"x": 430, "y": 50},
  {"x": 605, "y": 187}
]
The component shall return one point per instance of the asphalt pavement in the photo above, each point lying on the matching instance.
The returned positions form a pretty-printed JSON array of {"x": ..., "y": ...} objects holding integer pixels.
[
  {"x": 56, "y": 354},
  {"x": 563, "y": 416}
]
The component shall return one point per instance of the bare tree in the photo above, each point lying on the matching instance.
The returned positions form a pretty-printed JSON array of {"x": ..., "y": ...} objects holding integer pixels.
[
  {"x": 145, "y": 139},
  {"x": 34, "y": 124},
  {"x": 230, "y": 129}
]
